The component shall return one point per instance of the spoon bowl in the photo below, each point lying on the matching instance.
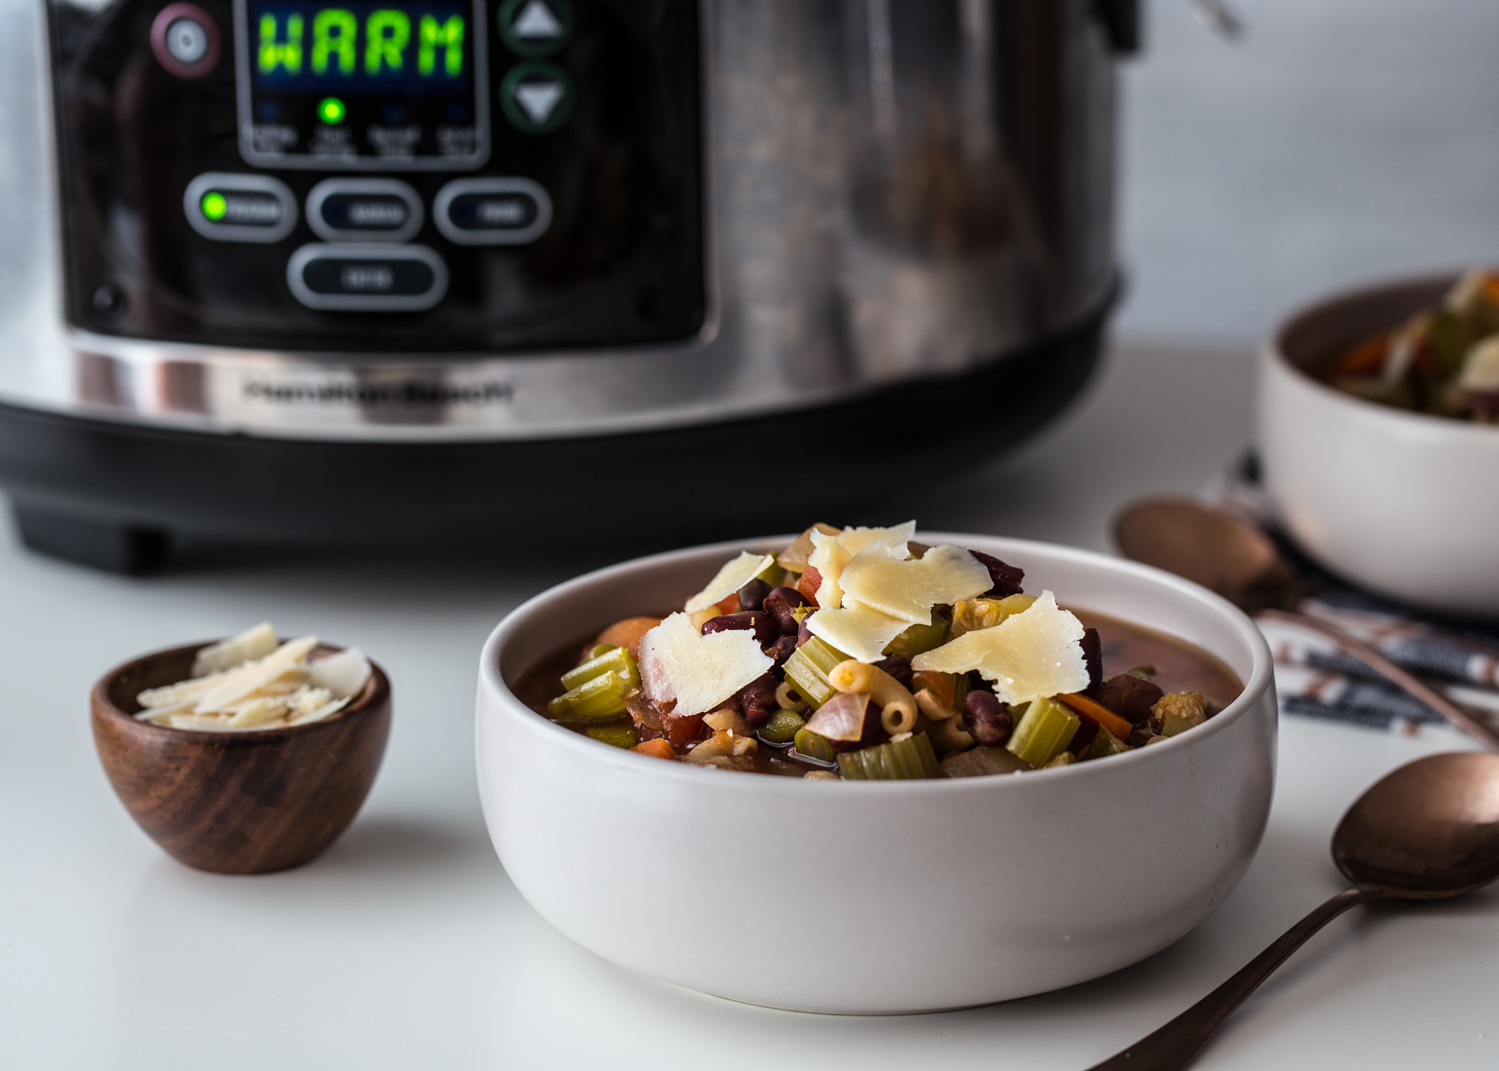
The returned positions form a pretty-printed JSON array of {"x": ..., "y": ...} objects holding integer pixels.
[
  {"x": 1222, "y": 553},
  {"x": 1236, "y": 560},
  {"x": 1426, "y": 831}
]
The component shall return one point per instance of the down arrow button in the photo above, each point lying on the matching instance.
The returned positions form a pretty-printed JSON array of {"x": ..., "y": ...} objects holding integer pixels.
[{"x": 537, "y": 97}]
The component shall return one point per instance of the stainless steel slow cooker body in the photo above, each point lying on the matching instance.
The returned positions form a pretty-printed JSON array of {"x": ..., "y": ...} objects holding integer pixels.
[{"x": 893, "y": 195}]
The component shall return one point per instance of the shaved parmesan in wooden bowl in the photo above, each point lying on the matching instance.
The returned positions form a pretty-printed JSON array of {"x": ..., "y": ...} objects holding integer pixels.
[{"x": 253, "y": 755}]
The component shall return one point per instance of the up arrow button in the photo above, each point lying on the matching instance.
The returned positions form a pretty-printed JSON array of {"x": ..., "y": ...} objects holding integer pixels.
[
  {"x": 535, "y": 27},
  {"x": 536, "y": 97}
]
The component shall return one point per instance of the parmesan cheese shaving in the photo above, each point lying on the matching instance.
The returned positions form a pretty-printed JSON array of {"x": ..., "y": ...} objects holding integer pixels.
[
  {"x": 733, "y": 576},
  {"x": 249, "y": 645},
  {"x": 250, "y": 678},
  {"x": 339, "y": 676},
  {"x": 1028, "y": 655},
  {"x": 880, "y": 579},
  {"x": 698, "y": 672},
  {"x": 833, "y": 552},
  {"x": 857, "y": 630},
  {"x": 273, "y": 689},
  {"x": 1481, "y": 367}
]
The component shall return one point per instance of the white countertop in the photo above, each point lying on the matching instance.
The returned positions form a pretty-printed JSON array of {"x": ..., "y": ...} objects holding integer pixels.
[{"x": 406, "y": 946}]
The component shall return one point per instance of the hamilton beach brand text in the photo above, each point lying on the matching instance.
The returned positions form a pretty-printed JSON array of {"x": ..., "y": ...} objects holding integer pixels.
[{"x": 410, "y": 392}]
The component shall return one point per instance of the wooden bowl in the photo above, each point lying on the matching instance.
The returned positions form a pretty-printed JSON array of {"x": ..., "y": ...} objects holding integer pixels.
[{"x": 237, "y": 802}]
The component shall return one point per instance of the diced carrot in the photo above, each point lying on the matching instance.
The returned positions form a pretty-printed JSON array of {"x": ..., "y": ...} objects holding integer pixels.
[
  {"x": 627, "y": 633},
  {"x": 1365, "y": 358},
  {"x": 729, "y": 604},
  {"x": 943, "y": 685},
  {"x": 1098, "y": 714},
  {"x": 656, "y": 749},
  {"x": 809, "y": 583}
]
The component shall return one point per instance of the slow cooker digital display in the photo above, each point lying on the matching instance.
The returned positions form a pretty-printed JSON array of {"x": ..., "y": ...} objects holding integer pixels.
[{"x": 336, "y": 85}]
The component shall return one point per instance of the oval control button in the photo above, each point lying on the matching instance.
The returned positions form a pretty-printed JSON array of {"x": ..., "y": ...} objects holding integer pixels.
[
  {"x": 364, "y": 210},
  {"x": 492, "y": 211},
  {"x": 368, "y": 278},
  {"x": 239, "y": 208}
]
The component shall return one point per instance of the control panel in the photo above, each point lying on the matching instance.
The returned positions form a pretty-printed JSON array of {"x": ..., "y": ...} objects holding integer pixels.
[{"x": 392, "y": 175}]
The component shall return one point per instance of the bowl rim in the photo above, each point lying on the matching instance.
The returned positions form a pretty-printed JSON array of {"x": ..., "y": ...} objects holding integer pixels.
[
  {"x": 1261, "y": 678},
  {"x": 375, "y": 693},
  {"x": 1274, "y": 349}
]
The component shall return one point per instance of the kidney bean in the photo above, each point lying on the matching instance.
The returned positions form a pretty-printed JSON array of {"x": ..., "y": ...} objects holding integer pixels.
[
  {"x": 1093, "y": 656},
  {"x": 1006, "y": 578},
  {"x": 987, "y": 719},
  {"x": 752, "y": 595},
  {"x": 782, "y": 649},
  {"x": 757, "y": 699},
  {"x": 765, "y": 627},
  {"x": 780, "y": 602},
  {"x": 1130, "y": 697},
  {"x": 898, "y": 668}
]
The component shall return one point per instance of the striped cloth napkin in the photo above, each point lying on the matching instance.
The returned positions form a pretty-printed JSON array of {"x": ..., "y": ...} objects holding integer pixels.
[{"x": 1316, "y": 680}]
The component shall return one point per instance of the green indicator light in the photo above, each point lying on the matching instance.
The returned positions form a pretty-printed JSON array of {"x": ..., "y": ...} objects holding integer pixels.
[
  {"x": 331, "y": 110},
  {"x": 214, "y": 206}
]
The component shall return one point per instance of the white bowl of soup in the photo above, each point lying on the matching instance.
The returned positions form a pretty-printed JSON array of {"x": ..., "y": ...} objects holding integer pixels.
[
  {"x": 1402, "y": 502},
  {"x": 882, "y": 897}
]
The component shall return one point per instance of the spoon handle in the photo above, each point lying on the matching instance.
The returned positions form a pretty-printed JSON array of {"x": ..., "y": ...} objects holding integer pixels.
[
  {"x": 1175, "y": 1045},
  {"x": 1391, "y": 672}
]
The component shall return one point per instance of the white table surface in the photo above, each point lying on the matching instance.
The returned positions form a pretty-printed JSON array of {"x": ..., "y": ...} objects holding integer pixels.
[{"x": 406, "y": 946}]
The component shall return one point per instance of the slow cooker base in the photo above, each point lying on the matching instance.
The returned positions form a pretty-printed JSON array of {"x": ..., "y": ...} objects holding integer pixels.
[{"x": 113, "y": 495}]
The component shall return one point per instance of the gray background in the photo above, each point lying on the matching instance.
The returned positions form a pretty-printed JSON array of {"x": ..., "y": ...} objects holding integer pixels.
[{"x": 1338, "y": 141}]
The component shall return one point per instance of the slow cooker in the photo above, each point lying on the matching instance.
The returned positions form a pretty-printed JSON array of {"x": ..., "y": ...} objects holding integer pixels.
[{"x": 422, "y": 271}]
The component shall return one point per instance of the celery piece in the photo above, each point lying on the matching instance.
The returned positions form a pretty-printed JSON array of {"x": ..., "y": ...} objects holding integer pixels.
[
  {"x": 1147, "y": 671},
  {"x": 808, "y": 667},
  {"x": 599, "y": 699},
  {"x": 614, "y": 735},
  {"x": 919, "y": 638},
  {"x": 614, "y": 660},
  {"x": 599, "y": 650},
  {"x": 911, "y": 759},
  {"x": 1061, "y": 758},
  {"x": 1045, "y": 728},
  {"x": 813, "y": 746},
  {"x": 1017, "y": 603},
  {"x": 1449, "y": 338},
  {"x": 1104, "y": 744},
  {"x": 773, "y": 575},
  {"x": 782, "y": 727}
]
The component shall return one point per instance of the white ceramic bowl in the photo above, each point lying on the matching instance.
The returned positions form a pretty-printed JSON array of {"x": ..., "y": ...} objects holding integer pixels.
[
  {"x": 1403, "y": 503},
  {"x": 867, "y": 897}
]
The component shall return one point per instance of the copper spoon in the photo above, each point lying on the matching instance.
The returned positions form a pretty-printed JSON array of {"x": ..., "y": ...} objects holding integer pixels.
[
  {"x": 1239, "y": 562},
  {"x": 1429, "y": 830}
]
